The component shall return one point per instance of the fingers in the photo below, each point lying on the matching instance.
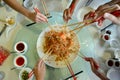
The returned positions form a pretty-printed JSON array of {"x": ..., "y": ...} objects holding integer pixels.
[
  {"x": 112, "y": 18},
  {"x": 93, "y": 63},
  {"x": 40, "y": 63},
  {"x": 66, "y": 15},
  {"x": 41, "y": 18},
  {"x": 89, "y": 15}
]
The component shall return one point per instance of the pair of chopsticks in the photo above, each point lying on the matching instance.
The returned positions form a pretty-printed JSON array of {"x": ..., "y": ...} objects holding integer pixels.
[
  {"x": 81, "y": 55},
  {"x": 47, "y": 14},
  {"x": 81, "y": 25},
  {"x": 70, "y": 69}
]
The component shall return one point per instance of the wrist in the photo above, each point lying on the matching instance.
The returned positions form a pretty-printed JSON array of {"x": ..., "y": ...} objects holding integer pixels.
[{"x": 27, "y": 13}]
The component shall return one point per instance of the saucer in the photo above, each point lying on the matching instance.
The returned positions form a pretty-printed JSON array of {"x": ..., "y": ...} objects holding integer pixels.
[{"x": 113, "y": 74}]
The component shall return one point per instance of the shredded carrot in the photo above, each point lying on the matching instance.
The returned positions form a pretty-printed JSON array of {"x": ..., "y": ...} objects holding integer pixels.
[{"x": 61, "y": 42}]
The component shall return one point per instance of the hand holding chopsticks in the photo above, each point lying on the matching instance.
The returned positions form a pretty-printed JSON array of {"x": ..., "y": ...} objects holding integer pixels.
[
  {"x": 95, "y": 67},
  {"x": 39, "y": 70},
  {"x": 40, "y": 65},
  {"x": 40, "y": 17}
]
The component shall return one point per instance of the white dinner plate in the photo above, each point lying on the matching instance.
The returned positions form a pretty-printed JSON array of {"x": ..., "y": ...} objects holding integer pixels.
[{"x": 51, "y": 60}]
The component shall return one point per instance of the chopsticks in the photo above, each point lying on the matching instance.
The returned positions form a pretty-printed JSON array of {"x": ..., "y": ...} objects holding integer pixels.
[
  {"x": 30, "y": 74},
  {"x": 81, "y": 55},
  {"x": 85, "y": 23},
  {"x": 70, "y": 69},
  {"x": 47, "y": 14},
  {"x": 74, "y": 75},
  {"x": 44, "y": 7},
  {"x": 30, "y": 24}
]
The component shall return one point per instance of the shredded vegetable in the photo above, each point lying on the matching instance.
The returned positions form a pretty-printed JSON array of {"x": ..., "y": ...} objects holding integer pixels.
[{"x": 62, "y": 42}]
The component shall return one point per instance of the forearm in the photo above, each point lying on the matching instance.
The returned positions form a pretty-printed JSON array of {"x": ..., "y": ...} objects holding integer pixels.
[
  {"x": 73, "y": 5},
  {"x": 113, "y": 2},
  {"x": 100, "y": 75},
  {"x": 17, "y": 6}
]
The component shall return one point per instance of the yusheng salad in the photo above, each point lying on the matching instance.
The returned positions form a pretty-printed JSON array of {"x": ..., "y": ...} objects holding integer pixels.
[{"x": 61, "y": 42}]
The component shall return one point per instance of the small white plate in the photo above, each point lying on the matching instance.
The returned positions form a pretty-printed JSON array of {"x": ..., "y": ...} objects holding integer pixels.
[
  {"x": 113, "y": 74},
  {"x": 25, "y": 69}
]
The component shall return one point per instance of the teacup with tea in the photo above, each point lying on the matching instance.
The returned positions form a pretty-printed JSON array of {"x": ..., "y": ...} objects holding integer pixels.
[{"x": 20, "y": 47}]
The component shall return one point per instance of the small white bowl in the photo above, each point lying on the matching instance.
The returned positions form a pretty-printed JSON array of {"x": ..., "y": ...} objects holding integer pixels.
[
  {"x": 113, "y": 74},
  {"x": 21, "y": 47},
  {"x": 25, "y": 69},
  {"x": 110, "y": 63},
  {"x": 113, "y": 63},
  {"x": 106, "y": 37},
  {"x": 20, "y": 61}
]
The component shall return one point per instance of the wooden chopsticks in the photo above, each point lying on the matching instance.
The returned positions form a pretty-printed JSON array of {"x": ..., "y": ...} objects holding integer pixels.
[{"x": 70, "y": 69}]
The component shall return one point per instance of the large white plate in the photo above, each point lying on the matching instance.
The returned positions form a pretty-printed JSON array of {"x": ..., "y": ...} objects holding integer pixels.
[{"x": 51, "y": 60}]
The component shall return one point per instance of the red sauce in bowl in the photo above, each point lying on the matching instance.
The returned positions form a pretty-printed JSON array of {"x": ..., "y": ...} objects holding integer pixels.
[
  {"x": 20, "y": 61},
  {"x": 20, "y": 47},
  {"x": 106, "y": 37},
  {"x": 117, "y": 64},
  {"x": 110, "y": 63}
]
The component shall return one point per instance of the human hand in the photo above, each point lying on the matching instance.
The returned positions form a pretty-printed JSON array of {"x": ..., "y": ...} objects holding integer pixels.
[
  {"x": 93, "y": 63},
  {"x": 37, "y": 16},
  {"x": 99, "y": 12},
  {"x": 39, "y": 70},
  {"x": 95, "y": 67},
  {"x": 113, "y": 18},
  {"x": 67, "y": 15}
]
